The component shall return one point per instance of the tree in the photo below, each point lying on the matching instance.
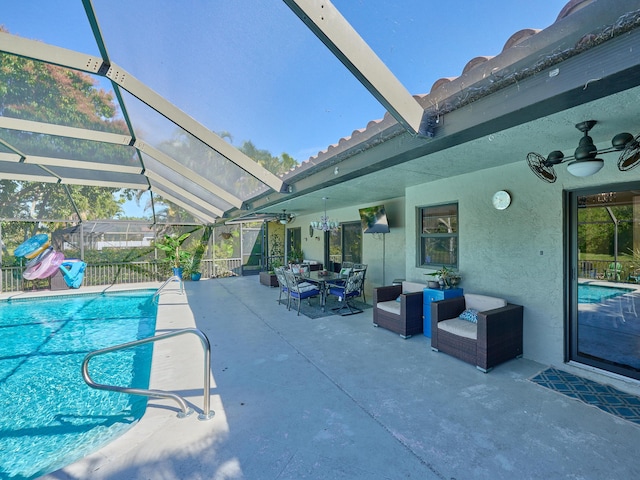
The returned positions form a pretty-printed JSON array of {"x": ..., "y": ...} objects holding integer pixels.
[
  {"x": 42, "y": 92},
  {"x": 277, "y": 165}
]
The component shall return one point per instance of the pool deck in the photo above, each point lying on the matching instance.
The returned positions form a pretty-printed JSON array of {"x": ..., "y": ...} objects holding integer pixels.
[{"x": 336, "y": 398}]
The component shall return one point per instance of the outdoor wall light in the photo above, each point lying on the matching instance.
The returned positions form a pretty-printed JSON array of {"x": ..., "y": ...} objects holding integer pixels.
[{"x": 584, "y": 158}]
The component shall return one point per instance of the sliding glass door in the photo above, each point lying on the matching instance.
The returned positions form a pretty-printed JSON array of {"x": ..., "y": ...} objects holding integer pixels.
[
  {"x": 604, "y": 290},
  {"x": 343, "y": 244}
]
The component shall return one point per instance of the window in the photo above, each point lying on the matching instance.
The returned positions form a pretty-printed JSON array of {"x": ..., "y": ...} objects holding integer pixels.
[{"x": 439, "y": 235}]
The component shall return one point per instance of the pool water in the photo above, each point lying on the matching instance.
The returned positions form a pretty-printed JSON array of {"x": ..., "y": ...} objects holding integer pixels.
[
  {"x": 598, "y": 294},
  {"x": 48, "y": 416}
]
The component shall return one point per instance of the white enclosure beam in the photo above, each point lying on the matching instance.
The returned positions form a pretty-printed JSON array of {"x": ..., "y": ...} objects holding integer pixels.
[
  {"x": 81, "y": 164},
  {"x": 21, "y": 177},
  {"x": 326, "y": 22},
  {"x": 198, "y": 214},
  {"x": 157, "y": 179},
  {"x": 64, "y": 131},
  {"x": 95, "y": 65},
  {"x": 102, "y": 183},
  {"x": 139, "y": 90},
  {"x": 187, "y": 173}
]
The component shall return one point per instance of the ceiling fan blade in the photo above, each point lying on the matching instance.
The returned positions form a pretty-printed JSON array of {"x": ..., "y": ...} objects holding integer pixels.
[
  {"x": 538, "y": 165},
  {"x": 630, "y": 156}
]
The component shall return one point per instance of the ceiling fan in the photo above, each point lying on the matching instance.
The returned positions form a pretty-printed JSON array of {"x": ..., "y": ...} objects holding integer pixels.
[
  {"x": 584, "y": 158},
  {"x": 285, "y": 218}
]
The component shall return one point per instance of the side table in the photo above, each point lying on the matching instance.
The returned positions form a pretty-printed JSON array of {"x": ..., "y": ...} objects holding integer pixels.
[{"x": 432, "y": 295}]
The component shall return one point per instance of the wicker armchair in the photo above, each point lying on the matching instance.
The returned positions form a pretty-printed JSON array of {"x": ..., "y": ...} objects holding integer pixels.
[
  {"x": 404, "y": 316},
  {"x": 495, "y": 338}
]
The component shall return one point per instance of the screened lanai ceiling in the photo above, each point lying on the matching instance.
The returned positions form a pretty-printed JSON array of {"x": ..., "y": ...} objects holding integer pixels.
[
  {"x": 198, "y": 87},
  {"x": 149, "y": 142}
]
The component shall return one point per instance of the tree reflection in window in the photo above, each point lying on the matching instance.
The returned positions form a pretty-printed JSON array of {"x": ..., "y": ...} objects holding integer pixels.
[{"x": 439, "y": 235}]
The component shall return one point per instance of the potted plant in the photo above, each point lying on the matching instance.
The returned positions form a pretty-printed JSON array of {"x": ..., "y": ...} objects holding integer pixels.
[
  {"x": 446, "y": 278},
  {"x": 194, "y": 263},
  {"x": 295, "y": 255},
  {"x": 191, "y": 269},
  {"x": 172, "y": 247},
  {"x": 269, "y": 277}
]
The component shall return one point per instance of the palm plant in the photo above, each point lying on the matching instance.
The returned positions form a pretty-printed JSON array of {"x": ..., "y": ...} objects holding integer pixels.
[{"x": 172, "y": 247}]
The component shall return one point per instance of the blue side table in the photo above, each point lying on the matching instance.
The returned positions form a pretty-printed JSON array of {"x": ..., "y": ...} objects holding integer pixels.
[{"x": 432, "y": 295}]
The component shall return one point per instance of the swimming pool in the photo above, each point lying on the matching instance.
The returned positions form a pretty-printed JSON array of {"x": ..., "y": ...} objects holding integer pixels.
[
  {"x": 48, "y": 416},
  {"x": 598, "y": 293}
]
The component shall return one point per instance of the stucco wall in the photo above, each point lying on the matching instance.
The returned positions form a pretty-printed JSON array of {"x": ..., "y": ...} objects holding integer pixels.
[{"x": 517, "y": 253}]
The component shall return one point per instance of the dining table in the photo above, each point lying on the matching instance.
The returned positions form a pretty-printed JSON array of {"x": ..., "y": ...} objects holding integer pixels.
[{"x": 323, "y": 279}]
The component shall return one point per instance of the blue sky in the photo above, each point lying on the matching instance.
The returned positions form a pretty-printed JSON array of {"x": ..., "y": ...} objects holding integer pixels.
[{"x": 250, "y": 67}]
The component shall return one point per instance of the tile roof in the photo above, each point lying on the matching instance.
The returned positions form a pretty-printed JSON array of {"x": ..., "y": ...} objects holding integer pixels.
[{"x": 378, "y": 131}]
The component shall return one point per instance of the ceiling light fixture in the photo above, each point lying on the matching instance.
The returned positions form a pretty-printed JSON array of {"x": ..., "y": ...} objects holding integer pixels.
[
  {"x": 285, "y": 218},
  {"x": 584, "y": 158},
  {"x": 324, "y": 224}
]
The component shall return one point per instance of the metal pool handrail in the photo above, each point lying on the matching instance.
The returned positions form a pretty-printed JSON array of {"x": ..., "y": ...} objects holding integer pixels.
[
  {"x": 186, "y": 411},
  {"x": 167, "y": 282}
]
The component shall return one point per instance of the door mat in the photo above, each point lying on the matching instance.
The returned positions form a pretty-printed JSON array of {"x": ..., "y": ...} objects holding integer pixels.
[
  {"x": 605, "y": 397},
  {"x": 315, "y": 311}
]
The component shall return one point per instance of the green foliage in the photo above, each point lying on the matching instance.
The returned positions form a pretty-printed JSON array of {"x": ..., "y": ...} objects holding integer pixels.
[
  {"x": 198, "y": 253},
  {"x": 277, "y": 165},
  {"x": 172, "y": 247},
  {"x": 41, "y": 92},
  {"x": 227, "y": 243},
  {"x": 596, "y": 230},
  {"x": 295, "y": 255}
]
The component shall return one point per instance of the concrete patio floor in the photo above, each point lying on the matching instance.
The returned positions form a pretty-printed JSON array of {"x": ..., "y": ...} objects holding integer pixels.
[{"x": 336, "y": 398}]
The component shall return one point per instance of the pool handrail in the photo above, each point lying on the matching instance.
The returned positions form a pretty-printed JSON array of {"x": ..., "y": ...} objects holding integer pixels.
[
  {"x": 167, "y": 282},
  {"x": 206, "y": 414}
]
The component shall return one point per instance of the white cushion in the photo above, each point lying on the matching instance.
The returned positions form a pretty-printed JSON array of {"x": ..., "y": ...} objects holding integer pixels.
[
  {"x": 411, "y": 287},
  {"x": 306, "y": 288},
  {"x": 391, "y": 306},
  {"x": 482, "y": 303},
  {"x": 459, "y": 327}
]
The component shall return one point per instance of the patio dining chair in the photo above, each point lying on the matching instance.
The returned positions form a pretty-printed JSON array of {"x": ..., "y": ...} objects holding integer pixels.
[
  {"x": 346, "y": 293},
  {"x": 283, "y": 286},
  {"x": 363, "y": 267},
  {"x": 299, "y": 289}
]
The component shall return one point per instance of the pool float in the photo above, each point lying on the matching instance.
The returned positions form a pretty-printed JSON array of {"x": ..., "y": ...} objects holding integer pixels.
[
  {"x": 32, "y": 271},
  {"x": 56, "y": 260},
  {"x": 32, "y": 244},
  {"x": 39, "y": 257},
  {"x": 45, "y": 267},
  {"x": 37, "y": 252},
  {"x": 73, "y": 272}
]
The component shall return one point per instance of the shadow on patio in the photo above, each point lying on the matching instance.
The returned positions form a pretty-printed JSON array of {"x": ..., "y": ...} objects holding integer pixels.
[{"x": 337, "y": 398}]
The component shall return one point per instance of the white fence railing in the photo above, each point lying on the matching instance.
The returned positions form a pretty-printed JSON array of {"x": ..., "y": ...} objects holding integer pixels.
[{"x": 120, "y": 273}]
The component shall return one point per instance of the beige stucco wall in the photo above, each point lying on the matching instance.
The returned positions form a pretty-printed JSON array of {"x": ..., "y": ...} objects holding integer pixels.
[{"x": 517, "y": 253}]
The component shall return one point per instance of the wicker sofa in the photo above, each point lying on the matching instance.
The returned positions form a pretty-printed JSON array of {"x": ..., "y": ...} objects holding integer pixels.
[
  {"x": 399, "y": 308},
  {"x": 495, "y": 338}
]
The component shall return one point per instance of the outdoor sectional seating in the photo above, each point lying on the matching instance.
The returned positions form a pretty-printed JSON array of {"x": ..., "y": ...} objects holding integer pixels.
[
  {"x": 495, "y": 338},
  {"x": 399, "y": 308}
]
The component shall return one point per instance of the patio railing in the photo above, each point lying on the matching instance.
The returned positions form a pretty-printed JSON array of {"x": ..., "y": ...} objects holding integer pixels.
[
  {"x": 121, "y": 273},
  {"x": 625, "y": 271}
]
